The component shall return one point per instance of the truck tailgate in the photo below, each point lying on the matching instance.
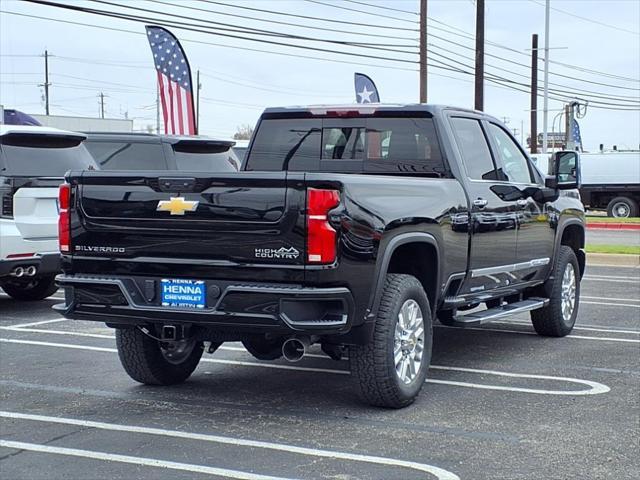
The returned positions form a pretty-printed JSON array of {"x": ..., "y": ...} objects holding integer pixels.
[{"x": 236, "y": 217}]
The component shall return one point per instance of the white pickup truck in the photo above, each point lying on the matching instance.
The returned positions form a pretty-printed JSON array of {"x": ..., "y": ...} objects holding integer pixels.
[{"x": 33, "y": 161}]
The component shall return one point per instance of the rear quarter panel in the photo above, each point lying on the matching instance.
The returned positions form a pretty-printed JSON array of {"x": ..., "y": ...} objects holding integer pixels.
[{"x": 376, "y": 209}]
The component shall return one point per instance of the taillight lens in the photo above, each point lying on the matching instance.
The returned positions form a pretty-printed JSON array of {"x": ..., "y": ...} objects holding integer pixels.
[
  {"x": 321, "y": 236},
  {"x": 64, "y": 218}
]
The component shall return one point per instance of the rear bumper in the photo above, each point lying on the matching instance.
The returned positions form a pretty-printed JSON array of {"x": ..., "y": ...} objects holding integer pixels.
[
  {"x": 246, "y": 307},
  {"x": 46, "y": 264}
]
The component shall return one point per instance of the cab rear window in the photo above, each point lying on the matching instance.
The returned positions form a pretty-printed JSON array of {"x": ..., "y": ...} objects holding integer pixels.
[{"x": 402, "y": 146}]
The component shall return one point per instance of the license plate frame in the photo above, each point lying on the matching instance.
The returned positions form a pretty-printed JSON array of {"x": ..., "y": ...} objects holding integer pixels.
[{"x": 183, "y": 293}]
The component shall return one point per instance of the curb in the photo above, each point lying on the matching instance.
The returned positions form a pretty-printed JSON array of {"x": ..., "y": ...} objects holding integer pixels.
[
  {"x": 613, "y": 260},
  {"x": 614, "y": 226}
]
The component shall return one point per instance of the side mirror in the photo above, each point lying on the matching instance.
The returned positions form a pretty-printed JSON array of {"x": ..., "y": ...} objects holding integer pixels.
[{"x": 566, "y": 170}]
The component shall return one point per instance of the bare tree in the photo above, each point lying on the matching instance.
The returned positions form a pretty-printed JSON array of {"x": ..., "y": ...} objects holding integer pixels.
[{"x": 243, "y": 132}]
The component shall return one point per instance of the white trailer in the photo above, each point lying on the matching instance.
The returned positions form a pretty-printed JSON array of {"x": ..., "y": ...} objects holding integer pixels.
[{"x": 610, "y": 180}]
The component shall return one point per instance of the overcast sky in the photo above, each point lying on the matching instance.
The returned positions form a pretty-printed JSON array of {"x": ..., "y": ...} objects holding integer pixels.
[{"x": 596, "y": 35}]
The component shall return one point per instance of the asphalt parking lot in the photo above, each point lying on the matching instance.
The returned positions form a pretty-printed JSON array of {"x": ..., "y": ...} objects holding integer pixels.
[{"x": 500, "y": 403}]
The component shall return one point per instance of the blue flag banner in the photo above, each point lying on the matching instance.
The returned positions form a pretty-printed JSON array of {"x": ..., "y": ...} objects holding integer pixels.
[
  {"x": 575, "y": 133},
  {"x": 366, "y": 91}
]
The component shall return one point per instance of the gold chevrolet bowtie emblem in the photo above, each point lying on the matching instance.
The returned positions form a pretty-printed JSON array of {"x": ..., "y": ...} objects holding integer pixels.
[{"x": 177, "y": 206}]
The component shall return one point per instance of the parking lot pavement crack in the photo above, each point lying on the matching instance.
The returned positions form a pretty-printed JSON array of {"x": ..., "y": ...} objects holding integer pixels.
[{"x": 54, "y": 439}]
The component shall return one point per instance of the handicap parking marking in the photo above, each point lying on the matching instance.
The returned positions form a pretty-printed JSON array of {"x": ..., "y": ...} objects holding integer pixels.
[
  {"x": 595, "y": 388},
  {"x": 147, "y": 462},
  {"x": 438, "y": 472}
]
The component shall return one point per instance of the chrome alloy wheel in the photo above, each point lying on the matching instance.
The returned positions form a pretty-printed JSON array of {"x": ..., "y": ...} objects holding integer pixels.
[
  {"x": 408, "y": 345},
  {"x": 568, "y": 292}
]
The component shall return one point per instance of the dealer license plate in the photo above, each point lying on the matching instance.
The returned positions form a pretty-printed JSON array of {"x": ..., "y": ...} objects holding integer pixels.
[{"x": 183, "y": 293}]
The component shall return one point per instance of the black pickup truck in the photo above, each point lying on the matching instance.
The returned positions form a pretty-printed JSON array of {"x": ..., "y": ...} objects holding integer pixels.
[{"x": 352, "y": 227}]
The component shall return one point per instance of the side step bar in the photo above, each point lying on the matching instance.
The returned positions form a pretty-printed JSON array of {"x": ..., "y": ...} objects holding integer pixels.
[{"x": 478, "y": 318}]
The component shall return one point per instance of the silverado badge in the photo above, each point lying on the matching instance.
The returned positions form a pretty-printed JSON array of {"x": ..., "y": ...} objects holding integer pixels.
[{"x": 177, "y": 206}]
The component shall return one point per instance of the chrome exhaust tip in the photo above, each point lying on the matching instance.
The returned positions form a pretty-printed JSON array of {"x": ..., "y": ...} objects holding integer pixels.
[
  {"x": 30, "y": 271},
  {"x": 293, "y": 349},
  {"x": 17, "y": 272}
]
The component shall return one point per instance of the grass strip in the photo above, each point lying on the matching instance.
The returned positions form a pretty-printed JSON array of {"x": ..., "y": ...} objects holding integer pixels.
[
  {"x": 624, "y": 249},
  {"x": 598, "y": 219}
]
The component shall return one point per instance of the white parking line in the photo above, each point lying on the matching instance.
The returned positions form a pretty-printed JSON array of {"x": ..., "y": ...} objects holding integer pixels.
[
  {"x": 595, "y": 388},
  {"x": 611, "y": 299},
  {"x": 147, "y": 462},
  {"x": 612, "y": 276},
  {"x": 593, "y": 329},
  {"x": 521, "y": 332},
  {"x": 440, "y": 473},
  {"x": 42, "y": 322},
  {"x": 608, "y": 280},
  {"x": 610, "y": 304}
]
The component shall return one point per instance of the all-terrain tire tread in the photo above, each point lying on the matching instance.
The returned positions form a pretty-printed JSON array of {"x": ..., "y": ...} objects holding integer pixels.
[
  {"x": 142, "y": 360},
  {"x": 369, "y": 362},
  {"x": 548, "y": 321}
]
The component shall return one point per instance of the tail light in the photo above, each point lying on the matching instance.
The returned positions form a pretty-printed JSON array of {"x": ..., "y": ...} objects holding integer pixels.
[
  {"x": 64, "y": 218},
  {"x": 321, "y": 236}
]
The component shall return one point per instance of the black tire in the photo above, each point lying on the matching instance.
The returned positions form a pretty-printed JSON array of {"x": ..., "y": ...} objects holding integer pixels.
[
  {"x": 263, "y": 349},
  {"x": 36, "y": 288},
  {"x": 622, "y": 207},
  {"x": 145, "y": 362},
  {"x": 373, "y": 366},
  {"x": 550, "y": 321}
]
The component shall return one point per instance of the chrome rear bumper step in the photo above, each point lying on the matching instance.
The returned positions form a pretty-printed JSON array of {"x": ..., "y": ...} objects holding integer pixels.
[{"x": 478, "y": 318}]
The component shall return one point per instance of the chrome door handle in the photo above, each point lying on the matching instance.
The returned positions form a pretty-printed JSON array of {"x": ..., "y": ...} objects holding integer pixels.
[
  {"x": 480, "y": 203},
  {"x": 522, "y": 202}
]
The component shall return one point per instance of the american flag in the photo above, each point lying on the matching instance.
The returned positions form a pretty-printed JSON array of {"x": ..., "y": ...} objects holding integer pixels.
[
  {"x": 174, "y": 82},
  {"x": 575, "y": 133}
]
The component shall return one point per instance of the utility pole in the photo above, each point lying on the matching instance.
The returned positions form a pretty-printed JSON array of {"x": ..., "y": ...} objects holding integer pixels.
[
  {"x": 534, "y": 93},
  {"x": 102, "y": 95},
  {"x": 545, "y": 108},
  {"x": 46, "y": 82},
  {"x": 198, "y": 87},
  {"x": 423, "y": 51},
  {"x": 568, "y": 114},
  {"x": 479, "y": 81}
]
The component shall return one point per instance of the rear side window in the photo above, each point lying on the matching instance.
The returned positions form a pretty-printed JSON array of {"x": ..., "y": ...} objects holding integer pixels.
[
  {"x": 127, "y": 155},
  {"x": 33, "y": 155},
  {"x": 474, "y": 149},
  {"x": 286, "y": 144},
  {"x": 404, "y": 145}
]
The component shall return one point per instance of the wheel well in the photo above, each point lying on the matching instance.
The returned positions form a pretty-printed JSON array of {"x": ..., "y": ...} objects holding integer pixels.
[
  {"x": 419, "y": 259},
  {"x": 573, "y": 236}
]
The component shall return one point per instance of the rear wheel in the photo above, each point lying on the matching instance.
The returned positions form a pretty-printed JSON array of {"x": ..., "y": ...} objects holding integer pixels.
[
  {"x": 391, "y": 370},
  {"x": 622, "y": 207},
  {"x": 152, "y": 362},
  {"x": 563, "y": 289},
  {"x": 34, "y": 288}
]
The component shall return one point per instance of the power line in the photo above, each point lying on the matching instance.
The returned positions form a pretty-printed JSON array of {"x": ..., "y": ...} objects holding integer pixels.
[
  {"x": 202, "y": 42},
  {"x": 229, "y": 27},
  {"x": 184, "y": 26},
  {"x": 361, "y": 11},
  {"x": 279, "y": 22},
  {"x": 329, "y": 20},
  {"x": 382, "y": 8},
  {"x": 591, "y": 20}
]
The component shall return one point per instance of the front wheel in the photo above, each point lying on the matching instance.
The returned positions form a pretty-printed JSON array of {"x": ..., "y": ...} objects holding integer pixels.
[
  {"x": 152, "y": 362},
  {"x": 563, "y": 288},
  {"x": 391, "y": 369},
  {"x": 36, "y": 288}
]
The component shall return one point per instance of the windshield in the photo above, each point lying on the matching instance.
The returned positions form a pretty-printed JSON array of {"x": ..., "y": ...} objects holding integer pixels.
[{"x": 43, "y": 159}]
